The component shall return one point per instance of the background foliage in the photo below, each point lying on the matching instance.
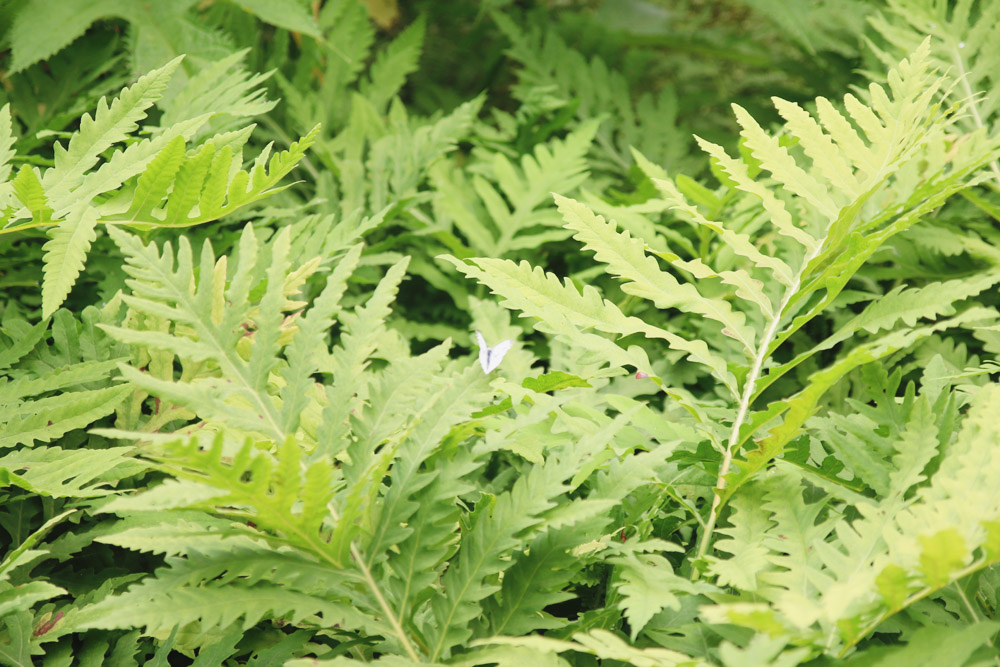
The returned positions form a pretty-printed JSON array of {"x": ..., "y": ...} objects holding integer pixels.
[{"x": 745, "y": 254}]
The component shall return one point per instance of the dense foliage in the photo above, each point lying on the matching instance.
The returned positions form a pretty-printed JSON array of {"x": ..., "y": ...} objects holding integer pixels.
[{"x": 733, "y": 399}]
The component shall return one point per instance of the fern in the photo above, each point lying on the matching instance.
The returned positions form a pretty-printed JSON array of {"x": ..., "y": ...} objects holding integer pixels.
[
  {"x": 556, "y": 166},
  {"x": 156, "y": 23},
  {"x": 835, "y": 229},
  {"x": 752, "y": 425},
  {"x": 171, "y": 189},
  {"x": 590, "y": 88},
  {"x": 32, "y": 411},
  {"x": 848, "y": 577},
  {"x": 960, "y": 43}
]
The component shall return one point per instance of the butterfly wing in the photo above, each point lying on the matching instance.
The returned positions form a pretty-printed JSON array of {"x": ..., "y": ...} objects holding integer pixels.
[
  {"x": 496, "y": 355},
  {"x": 484, "y": 353}
]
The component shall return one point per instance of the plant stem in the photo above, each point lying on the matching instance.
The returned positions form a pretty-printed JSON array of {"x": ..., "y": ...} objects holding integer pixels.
[
  {"x": 749, "y": 387},
  {"x": 994, "y": 167},
  {"x": 382, "y": 602}
]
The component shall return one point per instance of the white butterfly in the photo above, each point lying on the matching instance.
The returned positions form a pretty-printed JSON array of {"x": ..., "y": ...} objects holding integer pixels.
[{"x": 490, "y": 357}]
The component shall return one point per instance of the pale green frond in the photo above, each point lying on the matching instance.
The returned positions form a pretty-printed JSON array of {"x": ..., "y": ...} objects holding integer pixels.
[
  {"x": 743, "y": 541},
  {"x": 909, "y": 305},
  {"x": 739, "y": 243},
  {"x": 496, "y": 527},
  {"x": 514, "y": 195},
  {"x": 783, "y": 167},
  {"x": 7, "y": 150},
  {"x": 112, "y": 174},
  {"x": 211, "y": 190},
  {"x": 961, "y": 494},
  {"x": 399, "y": 157},
  {"x": 648, "y": 585},
  {"x": 224, "y": 87},
  {"x": 558, "y": 165},
  {"x": 601, "y": 644},
  {"x": 269, "y": 314},
  {"x": 538, "y": 578},
  {"x": 906, "y": 305},
  {"x": 49, "y": 418},
  {"x": 777, "y": 210},
  {"x": 14, "y": 599},
  {"x": 796, "y": 409},
  {"x": 915, "y": 448},
  {"x": 176, "y": 533},
  {"x": 962, "y": 44},
  {"x": 279, "y": 493},
  {"x": 62, "y": 378},
  {"x": 159, "y": 608},
  {"x": 65, "y": 254},
  {"x": 305, "y": 355},
  {"x": 819, "y": 147},
  {"x": 432, "y": 405},
  {"x": 24, "y": 554},
  {"x": 762, "y": 649},
  {"x": 156, "y": 180},
  {"x": 562, "y": 308},
  {"x": 238, "y": 393},
  {"x": 798, "y": 527},
  {"x": 28, "y": 190},
  {"x": 108, "y": 126},
  {"x": 59, "y": 473},
  {"x": 626, "y": 258}
]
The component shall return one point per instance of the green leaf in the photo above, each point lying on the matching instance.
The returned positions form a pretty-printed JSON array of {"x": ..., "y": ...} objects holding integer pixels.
[
  {"x": 6, "y": 143},
  {"x": 28, "y": 189},
  {"x": 553, "y": 381},
  {"x": 63, "y": 21},
  {"x": 21, "y": 598},
  {"x": 65, "y": 254},
  {"x": 109, "y": 125},
  {"x": 287, "y": 14}
]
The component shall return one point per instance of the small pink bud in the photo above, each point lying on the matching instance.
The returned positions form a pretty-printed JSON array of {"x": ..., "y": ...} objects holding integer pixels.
[{"x": 639, "y": 375}]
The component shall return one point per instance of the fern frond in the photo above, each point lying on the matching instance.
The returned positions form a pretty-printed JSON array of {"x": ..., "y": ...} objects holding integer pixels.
[
  {"x": 287, "y": 14},
  {"x": 275, "y": 491},
  {"x": 158, "y": 607},
  {"x": 599, "y": 643},
  {"x": 555, "y": 166},
  {"x": 961, "y": 44},
  {"x": 59, "y": 473},
  {"x": 209, "y": 192},
  {"x": 393, "y": 64},
  {"x": 65, "y": 253},
  {"x": 224, "y": 87},
  {"x": 362, "y": 330},
  {"x": 301, "y": 353},
  {"x": 832, "y": 580},
  {"x": 108, "y": 126},
  {"x": 176, "y": 533},
  {"x": 48, "y": 418},
  {"x": 29, "y": 46},
  {"x": 6, "y": 145},
  {"x": 743, "y": 541},
  {"x": 906, "y": 305},
  {"x": 239, "y": 394},
  {"x": 495, "y": 526},
  {"x": 626, "y": 258},
  {"x": 796, "y": 409},
  {"x": 561, "y": 307},
  {"x": 14, "y": 599}
]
